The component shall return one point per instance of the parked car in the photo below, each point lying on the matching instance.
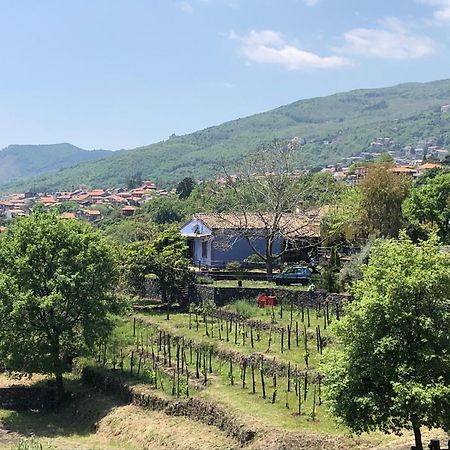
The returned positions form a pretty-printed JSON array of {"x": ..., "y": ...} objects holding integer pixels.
[{"x": 297, "y": 274}]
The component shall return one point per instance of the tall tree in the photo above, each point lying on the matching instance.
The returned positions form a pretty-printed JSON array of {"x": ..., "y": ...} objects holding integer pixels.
[
  {"x": 56, "y": 294},
  {"x": 429, "y": 204},
  {"x": 382, "y": 194},
  {"x": 392, "y": 369},
  {"x": 273, "y": 202},
  {"x": 185, "y": 187}
]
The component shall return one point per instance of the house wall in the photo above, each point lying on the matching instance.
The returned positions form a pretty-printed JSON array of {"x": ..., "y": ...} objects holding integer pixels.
[
  {"x": 198, "y": 232},
  {"x": 197, "y": 257},
  {"x": 232, "y": 248}
]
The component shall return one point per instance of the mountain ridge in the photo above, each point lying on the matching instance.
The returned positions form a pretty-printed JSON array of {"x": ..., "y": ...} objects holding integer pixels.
[
  {"x": 331, "y": 128},
  {"x": 21, "y": 161}
]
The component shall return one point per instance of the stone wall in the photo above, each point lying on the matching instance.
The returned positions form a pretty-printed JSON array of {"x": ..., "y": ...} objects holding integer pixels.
[
  {"x": 26, "y": 398},
  {"x": 193, "y": 408},
  {"x": 223, "y": 295}
]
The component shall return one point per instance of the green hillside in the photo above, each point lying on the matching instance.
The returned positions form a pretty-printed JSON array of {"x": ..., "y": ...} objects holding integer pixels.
[
  {"x": 18, "y": 162},
  {"x": 332, "y": 127}
]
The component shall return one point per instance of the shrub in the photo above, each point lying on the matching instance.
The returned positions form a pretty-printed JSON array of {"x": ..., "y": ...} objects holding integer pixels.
[
  {"x": 233, "y": 266},
  {"x": 245, "y": 308}
]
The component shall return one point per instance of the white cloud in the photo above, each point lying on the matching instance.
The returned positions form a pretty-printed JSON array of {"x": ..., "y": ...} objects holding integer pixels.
[
  {"x": 312, "y": 2},
  {"x": 186, "y": 7},
  {"x": 442, "y": 9},
  {"x": 270, "y": 47},
  {"x": 391, "y": 41}
]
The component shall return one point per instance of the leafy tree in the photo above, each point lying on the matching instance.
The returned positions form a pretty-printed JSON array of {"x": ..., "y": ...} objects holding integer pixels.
[
  {"x": 164, "y": 257},
  {"x": 185, "y": 187},
  {"x": 67, "y": 206},
  {"x": 56, "y": 281},
  {"x": 343, "y": 219},
  {"x": 135, "y": 180},
  {"x": 170, "y": 265},
  {"x": 382, "y": 195},
  {"x": 165, "y": 210},
  {"x": 127, "y": 231},
  {"x": 429, "y": 204},
  {"x": 384, "y": 158},
  {"x": 392, "y": 369}
]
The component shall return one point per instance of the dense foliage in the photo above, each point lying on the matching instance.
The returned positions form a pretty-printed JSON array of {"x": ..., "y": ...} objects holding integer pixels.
[
  {"x": 429, "y": 204},
  {"x": 56, "y": 282},
  {"x": 393, "y": 369},
  {"x": 164, "y": 257}
]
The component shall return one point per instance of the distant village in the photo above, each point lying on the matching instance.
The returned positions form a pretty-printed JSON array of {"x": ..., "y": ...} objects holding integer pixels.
[
  {"x": 87, "y": 205},
  {"x": 409, "y": 160}
]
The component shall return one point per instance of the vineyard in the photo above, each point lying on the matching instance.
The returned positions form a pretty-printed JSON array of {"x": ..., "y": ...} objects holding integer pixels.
[{"x": 260, "y": 363}]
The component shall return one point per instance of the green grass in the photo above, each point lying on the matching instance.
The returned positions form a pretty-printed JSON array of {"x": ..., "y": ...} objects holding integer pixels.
[
  {"x": 219, "y": 387},
  {"x": 71, "y": 427}
]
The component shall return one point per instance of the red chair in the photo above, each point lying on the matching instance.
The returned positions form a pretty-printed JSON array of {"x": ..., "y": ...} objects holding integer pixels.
[{"x": 262, "y": 301}]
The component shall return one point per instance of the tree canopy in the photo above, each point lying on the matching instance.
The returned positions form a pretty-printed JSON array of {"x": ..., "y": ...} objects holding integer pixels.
[
  {"x": 165, "y": 257},
  {"x": 382, "y": 195},
  {"x": 393, "y": 369},
  {"x": 429, "y": 204},
  {"x": 56, "y": 294}
]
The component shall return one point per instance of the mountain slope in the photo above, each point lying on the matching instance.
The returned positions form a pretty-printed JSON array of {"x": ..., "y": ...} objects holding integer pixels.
[
  {"x": 332, "y": 127},
  {"x": 24, "y": 161}
]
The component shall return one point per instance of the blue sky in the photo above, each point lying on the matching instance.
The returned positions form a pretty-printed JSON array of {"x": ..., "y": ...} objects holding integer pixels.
[{"x": 122, "y": 73}]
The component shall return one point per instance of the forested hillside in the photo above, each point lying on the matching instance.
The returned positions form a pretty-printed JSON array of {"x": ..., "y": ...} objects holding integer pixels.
[
  {"x": 330, "y": 129},
  {"x": 18, "y": 162}
]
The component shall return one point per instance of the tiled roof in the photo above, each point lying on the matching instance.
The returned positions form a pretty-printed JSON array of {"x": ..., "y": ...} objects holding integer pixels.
[{"x": 287, "y": 224}]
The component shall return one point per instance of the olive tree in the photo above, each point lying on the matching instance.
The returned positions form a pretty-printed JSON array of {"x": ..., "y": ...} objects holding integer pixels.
[
  {"x": 392, "y": 369},
  {"x": 56, "y": 294}
]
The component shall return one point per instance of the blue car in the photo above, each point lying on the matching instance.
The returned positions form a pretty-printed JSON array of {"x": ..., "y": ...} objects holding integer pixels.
[{"x": 297, "y": 274}]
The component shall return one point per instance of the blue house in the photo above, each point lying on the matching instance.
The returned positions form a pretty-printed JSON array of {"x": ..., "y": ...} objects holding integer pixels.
[{"x": 216, "y": 239}]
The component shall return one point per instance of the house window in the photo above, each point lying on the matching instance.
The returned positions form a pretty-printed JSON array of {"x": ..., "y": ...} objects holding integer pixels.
[{"x": 204, "y": 249}]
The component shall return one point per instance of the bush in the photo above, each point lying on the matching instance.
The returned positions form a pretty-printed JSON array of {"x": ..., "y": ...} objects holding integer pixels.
[
  {"x": 204, "y": 280},
  {"x": 245, "y": 308},
  {"x": 233, "y": 266}
]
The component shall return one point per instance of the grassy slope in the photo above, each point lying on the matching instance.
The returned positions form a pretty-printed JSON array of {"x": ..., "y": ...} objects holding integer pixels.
[
  {"x": 349, "y": 121},
  {"x": 24, "y": 161},
  {"x": 103, "y": 422}
]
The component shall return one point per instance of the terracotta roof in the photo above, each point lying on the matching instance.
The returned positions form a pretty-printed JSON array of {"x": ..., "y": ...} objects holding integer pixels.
[
  {"x": 289, "y": 224},
  {"x": 129, "y": 208},
  {"x": 427, "y": 166},
  {"x": 403, "y": 169},
  {"x": 96, "y": 192},
  {"x": 67, "y": 215},
  {"x": 47, "y": 200},
  {"x": 93, "y": 212}
]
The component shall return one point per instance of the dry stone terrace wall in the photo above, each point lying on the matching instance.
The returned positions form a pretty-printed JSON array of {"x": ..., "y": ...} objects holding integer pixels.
[
  {"x": 27, "y": 398},
  {"x": 193, "y": 408},
  {"x": 224, "y": 295}
]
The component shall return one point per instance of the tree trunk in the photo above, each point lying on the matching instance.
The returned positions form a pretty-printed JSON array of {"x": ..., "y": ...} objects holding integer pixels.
[
  {"x": 269, "y": 267},
  {"x": 59, "y": 387},
  {"x": 417, "y": 437},
  {"x": 269, "y": 258},
  {"x": 57, "y": 368}
]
